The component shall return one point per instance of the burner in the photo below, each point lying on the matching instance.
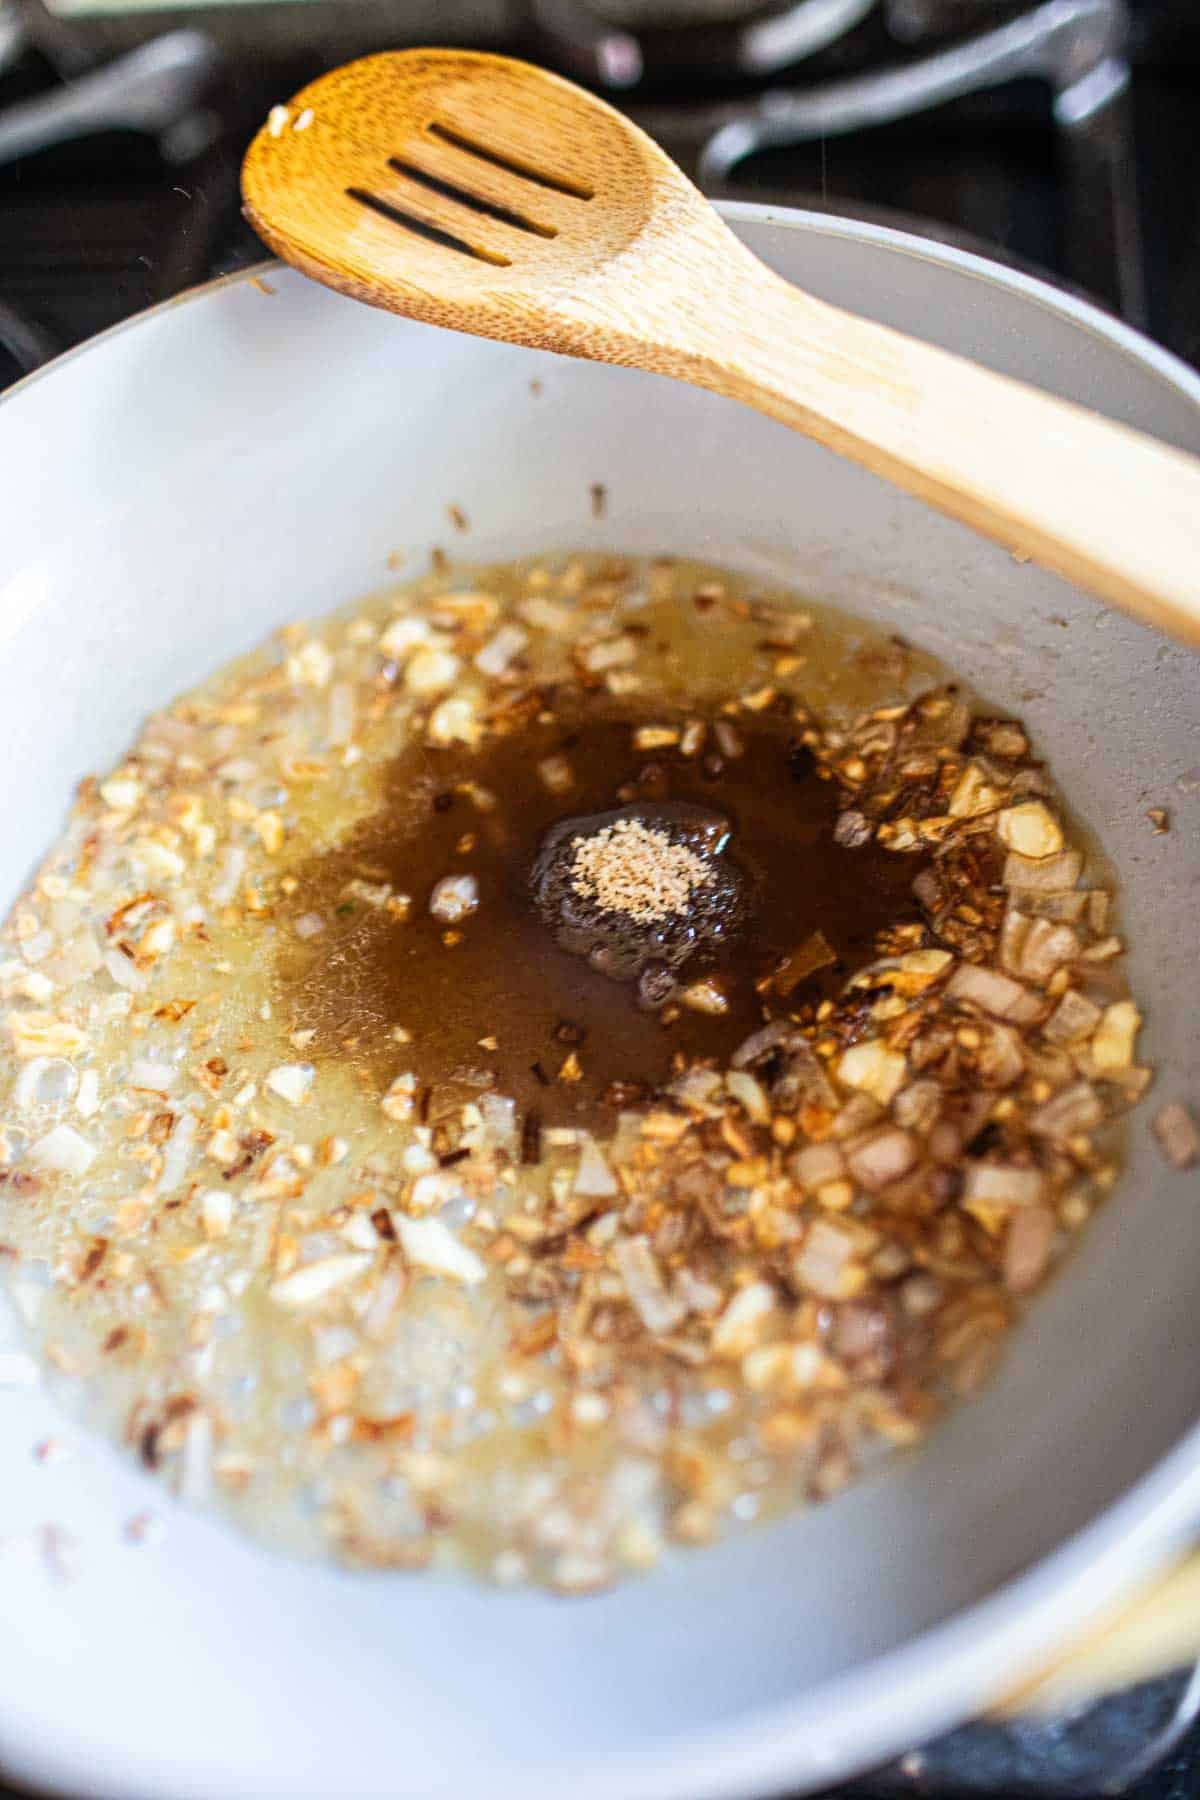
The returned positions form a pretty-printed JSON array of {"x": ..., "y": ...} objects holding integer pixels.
[
  {"x": 620, "y": 43},
  {"x": 933, "y": 87}
]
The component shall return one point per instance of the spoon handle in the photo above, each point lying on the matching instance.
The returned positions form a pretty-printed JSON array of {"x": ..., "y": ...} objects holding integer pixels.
[{"x": 1102, "y": 505}]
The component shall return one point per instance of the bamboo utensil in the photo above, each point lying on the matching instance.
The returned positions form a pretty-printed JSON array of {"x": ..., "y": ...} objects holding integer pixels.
[{"x": 493, "y": 197}]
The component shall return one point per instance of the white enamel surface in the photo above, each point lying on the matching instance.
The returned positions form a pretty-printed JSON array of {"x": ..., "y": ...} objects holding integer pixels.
[{"x": 239, "y": 459}]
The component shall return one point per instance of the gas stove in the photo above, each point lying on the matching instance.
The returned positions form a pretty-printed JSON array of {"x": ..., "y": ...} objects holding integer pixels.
[
  {"x": 1050, "y": 134},
  {"x": 1061, "y": 135}
]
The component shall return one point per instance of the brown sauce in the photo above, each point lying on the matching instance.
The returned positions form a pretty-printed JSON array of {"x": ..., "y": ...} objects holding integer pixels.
[{"x": 503, "y": 976}]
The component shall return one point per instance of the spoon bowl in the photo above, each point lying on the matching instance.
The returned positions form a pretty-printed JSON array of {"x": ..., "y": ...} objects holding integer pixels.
[{"x": 458, "y": 192}]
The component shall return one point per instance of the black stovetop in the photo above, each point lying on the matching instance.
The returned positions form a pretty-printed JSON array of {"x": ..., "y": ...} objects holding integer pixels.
[{"x": 93, "y": 231}]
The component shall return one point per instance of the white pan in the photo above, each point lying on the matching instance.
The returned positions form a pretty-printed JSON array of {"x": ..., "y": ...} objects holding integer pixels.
[{"x": 190, "y": 481}]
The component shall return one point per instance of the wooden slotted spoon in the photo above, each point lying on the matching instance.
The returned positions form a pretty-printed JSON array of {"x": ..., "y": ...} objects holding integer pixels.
[{"x": 481, "y": 193}]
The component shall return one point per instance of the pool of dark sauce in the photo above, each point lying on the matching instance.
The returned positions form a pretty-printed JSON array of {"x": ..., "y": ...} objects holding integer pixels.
[{"x": 501, "y": 976}]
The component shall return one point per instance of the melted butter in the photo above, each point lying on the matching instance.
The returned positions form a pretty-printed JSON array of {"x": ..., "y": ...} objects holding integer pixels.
[{"x": 502, "y": 976}]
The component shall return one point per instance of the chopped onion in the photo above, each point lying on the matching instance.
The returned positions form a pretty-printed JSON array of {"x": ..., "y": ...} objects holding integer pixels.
[
  {"x": 428, "y": 1244},
  {"x": 857, "y": 1116},
  {"x": 158, "y": 1077},
  {"x": 1066, "y": 907},
  {"x": 802, "y": 1081},
  {"x": 594, "y": 1180},
  {"x": 1178, "y": 1135},
  {"x": 945, "y": 1143},
  {"x": 500, "y": 1119},
  {"x": 455, "y": 721},
  {"x": 760, "y": 1044},
  {"x": 749, "y": 1094},
  {"x": 500, "y": 649},
  {"x": 1001, "y": 1060},
  {"x": 1074, "y": 1017},
  {"x": 178, "y": 1153},
  {"x": 705, "y": 996},
  {"x": 821, "y": 1262},
  {"x": 378, "y": 1316},
  {"x": 994, "y": 993},
  {"x": 87, "y": 1100},
  {"x": 341, "y": 714},
  {"x": 875, "y": 1069},
  {"x": 741, "y": 1324},
  {"x": 195, "y": 1462},
  {"x": 1112, "y": 1045},
  {"x": 43, "y": 1082},
  {"x": 659, "y": 1310},
  {"x": 1076, "y": 1109},
  {"x": 1045, "y": 875},
  {"x": 216, "y": 1210},
  {"x": 1027, "y": 1247},
  {"x": 453, "y": 898},
  {"x": 1045, "y": 948},
  {"x": 314, "y": 1280},
  {"x": 816, "y": 1164},
  {"x": 1031, "y": 830},
  {"x": 697, "y": 1296},
  {"x": 860, "y": 1330},
  {"x": 435, "y": 1189},
  {"x": 123, "y": 971},
  {"x": 63, "y": 1150},
  {"x": 291, "y": 1081},
  {"x": 696, "y": 1087},
  {"x": 881, "y": 1158},
  {"x": 1000, "y": 1184},
  {"x": 229, "y": 876},
  {"x": 403, "y": 635},
  {"x": 918, "y": 1105}
]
